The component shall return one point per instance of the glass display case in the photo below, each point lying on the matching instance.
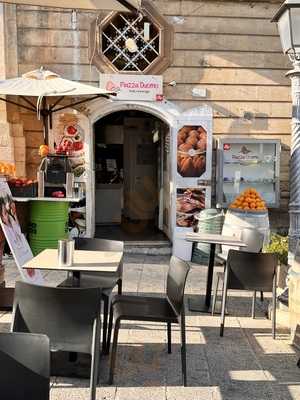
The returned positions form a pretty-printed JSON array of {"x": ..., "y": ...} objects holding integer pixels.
[{"x": 243, "y": 163}]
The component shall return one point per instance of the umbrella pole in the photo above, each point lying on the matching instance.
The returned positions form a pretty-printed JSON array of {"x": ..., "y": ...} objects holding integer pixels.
[
  {"x": 45, "y": 114},
  {"x": 46, "y": 128}
]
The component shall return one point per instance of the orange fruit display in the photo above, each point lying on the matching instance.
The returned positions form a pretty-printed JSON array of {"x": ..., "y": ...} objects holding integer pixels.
[
  {"x": 249, "y": 200},
  {"x": 43, "y": 150},
  {"x": 7, "y": 169}
]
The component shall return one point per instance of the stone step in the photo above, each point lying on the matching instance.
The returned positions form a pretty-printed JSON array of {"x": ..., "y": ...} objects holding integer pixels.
[{"x": 159, "y": 247}]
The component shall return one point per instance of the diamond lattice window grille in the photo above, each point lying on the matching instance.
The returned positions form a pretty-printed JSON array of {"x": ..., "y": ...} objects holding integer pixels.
[{"x": 127, "y": 26}]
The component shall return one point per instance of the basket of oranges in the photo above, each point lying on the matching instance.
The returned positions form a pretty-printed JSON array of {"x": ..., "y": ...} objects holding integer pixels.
[
  {"x": 7, "y": 169},
  {"x": 249, "y": 201}
]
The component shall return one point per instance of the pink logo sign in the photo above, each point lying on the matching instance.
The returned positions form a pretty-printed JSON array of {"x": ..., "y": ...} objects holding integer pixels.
[{"x": 111, "y": 87}]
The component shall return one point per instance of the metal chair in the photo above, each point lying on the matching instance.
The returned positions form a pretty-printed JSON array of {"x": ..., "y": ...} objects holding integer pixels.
[
  {"x": 169, "y": 309},
  {"x": 70, "y": 317},
  {"x": 104, "y": 280},
  {"x": 254, "y": 241},
  {"x": 25, "y": 366},
  {"x": 253, "y": 272}
]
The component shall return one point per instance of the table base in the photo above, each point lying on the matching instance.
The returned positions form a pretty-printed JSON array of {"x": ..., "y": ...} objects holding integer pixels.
[{"x": 198, "y": 305}]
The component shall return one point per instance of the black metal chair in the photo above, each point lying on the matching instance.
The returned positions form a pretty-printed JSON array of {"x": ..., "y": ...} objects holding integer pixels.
[
  {"x": 169, "y": 309},
  {"x": 25, "y": 366},
  {"x": 253, "y": 272},
  {"x": 254, "y": 241},
  {"x": 70, "y": 317},
  {"x": 104, "y": 280}
]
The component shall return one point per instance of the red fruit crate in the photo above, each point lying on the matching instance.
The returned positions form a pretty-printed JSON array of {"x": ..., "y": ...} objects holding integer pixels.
[{"x": 30, "y": 190}]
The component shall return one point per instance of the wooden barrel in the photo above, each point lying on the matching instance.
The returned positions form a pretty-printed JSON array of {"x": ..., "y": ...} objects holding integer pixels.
[{"x": 236, "y": 221}]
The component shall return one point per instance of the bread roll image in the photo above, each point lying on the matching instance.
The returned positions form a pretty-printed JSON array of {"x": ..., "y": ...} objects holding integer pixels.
[
  {"x": 193, "y": 133},
  {"x": 192, "y": 140},
  {"x": 187, "y": 166},
  {"x": 199, "y": 164},
  {"x": 185, "y": 147},
  {"x": 183, "y": 132},
  {"x": 201, "y": 130},
  {"x": 201, "y": 145},
  {"x": 180, "y": 141},
  {"x": 191, "y": 145}
]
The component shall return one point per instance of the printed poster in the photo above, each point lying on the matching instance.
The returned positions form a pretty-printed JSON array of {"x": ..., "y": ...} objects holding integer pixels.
[
  {"x": 68, "y": 137},
  {"x": 189, "y": 203},
  {"x": 191, "y": 151},
  {"x": 16, "y": 240}
]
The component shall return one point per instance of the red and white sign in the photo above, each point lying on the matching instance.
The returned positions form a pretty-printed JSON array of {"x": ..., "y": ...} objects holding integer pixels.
[{"x": 134, "y": 87}]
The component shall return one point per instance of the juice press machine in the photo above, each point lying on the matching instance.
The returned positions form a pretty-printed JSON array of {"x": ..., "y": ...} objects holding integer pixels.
[{"x": 55, "y": 175}]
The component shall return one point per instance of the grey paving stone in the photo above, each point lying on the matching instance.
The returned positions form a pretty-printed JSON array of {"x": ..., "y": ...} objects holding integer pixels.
[
  {"x": 246, "y": 364},
  {"x": 194, "y": 393},
  {"x": 140, "y": 393}
]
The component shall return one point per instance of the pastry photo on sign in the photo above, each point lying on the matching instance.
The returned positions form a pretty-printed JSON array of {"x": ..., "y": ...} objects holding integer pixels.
[
  {"x": 189, "y": 202},
  {"x": 191, "y": 151},
  {"x": 69, "y": 139}
]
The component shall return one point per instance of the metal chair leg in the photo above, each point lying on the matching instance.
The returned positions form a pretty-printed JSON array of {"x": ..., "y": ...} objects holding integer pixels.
[
  {"x": 114, "y": 353},
  {"x": 224, "y": 299},
  {"x": 215, "y": 295},
  {"x": 95, "y": 358},
  {"x": 109, "y": 330},
  {"x": 274, "y": 294},
  {"x": 169, "y": 337},
  {"x": 183, "y": 350},
  {"x": 262, "y": 297},
  {"x": 253, "y": 304},
  {"x": 105, "y": 321},
  {"x": 120, "y": 284}
]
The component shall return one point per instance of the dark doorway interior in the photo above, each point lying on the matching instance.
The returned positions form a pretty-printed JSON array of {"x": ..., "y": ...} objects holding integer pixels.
[{"x": 128, "y": 165}]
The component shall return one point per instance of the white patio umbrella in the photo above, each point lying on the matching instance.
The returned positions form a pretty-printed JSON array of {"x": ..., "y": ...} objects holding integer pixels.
[
  {"x": 50, "y": 90},
  {"x": 114, "y": 5}
]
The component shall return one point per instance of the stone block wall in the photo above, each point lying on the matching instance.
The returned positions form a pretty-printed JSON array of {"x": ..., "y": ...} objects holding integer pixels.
[{"x": 227, "y": 47}]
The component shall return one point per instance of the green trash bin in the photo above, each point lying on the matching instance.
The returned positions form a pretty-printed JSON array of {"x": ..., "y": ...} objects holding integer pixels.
[{"x": 48, "y": 224}]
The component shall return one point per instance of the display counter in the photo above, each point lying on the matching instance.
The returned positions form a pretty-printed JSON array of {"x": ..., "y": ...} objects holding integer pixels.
[
  {"x": 59, "y": 199},
  {"x": 109, "y": 203}
]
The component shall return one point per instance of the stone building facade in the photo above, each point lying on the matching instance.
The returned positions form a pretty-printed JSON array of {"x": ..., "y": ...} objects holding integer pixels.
[{"x": 229, "y": 48}]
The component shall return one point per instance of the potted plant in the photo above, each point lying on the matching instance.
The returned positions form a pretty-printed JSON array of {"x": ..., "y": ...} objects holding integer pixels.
[{"x": 279, "y": 245}]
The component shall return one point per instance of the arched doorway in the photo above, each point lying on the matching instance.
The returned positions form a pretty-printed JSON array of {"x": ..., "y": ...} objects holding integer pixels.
[
  {"x": 132, "y": 169},
  {"x": 165, "y": 111}
]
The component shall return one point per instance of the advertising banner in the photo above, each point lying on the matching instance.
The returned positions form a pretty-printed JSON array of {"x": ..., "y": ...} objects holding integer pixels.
[
  {"x": 68, "y": 136},
  {"x": 133, "y": 87},
  {"x": 191, "y": 151},
  {"x": 189, "y": 202},
  {"x": 16, "y": 240}
]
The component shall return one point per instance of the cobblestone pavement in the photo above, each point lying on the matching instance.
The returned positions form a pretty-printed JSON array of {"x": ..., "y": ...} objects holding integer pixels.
[{"x": 246, "y": 364}]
